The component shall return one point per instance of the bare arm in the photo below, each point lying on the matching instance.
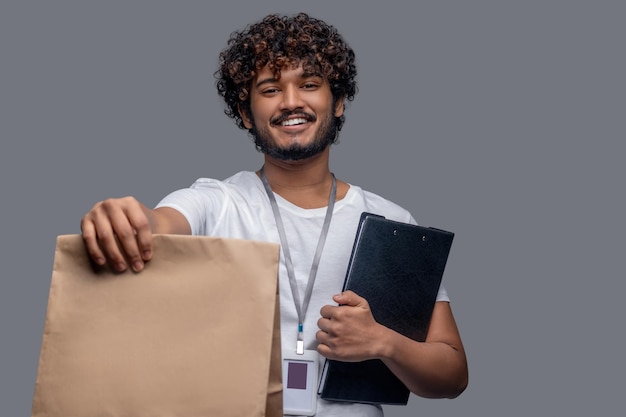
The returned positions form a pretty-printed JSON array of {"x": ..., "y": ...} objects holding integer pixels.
[
  {"x": 119, "y": 231},
  {"x": 435, "y": 368}
]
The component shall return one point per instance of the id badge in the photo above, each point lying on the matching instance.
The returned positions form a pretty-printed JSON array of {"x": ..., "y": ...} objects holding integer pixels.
[{"x": 300, "y": 382}]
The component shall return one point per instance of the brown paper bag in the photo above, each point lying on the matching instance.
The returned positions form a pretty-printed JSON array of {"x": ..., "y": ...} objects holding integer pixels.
[{"x": 194, "y": 334}]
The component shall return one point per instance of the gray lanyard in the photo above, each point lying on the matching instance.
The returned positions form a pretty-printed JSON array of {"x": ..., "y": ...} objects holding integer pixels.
[{"x": 301, "y": 308}]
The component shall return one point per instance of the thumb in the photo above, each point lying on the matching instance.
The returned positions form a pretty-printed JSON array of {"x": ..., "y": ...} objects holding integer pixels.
[{"x": 349, "y": 298}]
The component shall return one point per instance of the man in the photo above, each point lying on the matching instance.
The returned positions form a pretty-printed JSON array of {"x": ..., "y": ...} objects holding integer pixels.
[{"x": 286, "y": 80}]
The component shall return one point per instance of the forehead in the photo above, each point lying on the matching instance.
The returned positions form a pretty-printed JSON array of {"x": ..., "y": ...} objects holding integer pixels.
[{"x": 286, "y": 72}]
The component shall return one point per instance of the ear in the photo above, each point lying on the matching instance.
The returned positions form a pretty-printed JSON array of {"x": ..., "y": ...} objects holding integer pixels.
[
  {"x": 245, "y": 117},
  {"x": 339, "y": 107}
]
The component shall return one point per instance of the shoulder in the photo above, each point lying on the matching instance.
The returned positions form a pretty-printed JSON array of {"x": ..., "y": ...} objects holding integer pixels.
[
  {"x": 210, "y": 204},
  {"x": 242, "y": 185},
  {"x": 243, "y": 180},
  {"x": 209, "y": 192},
  {"x": 377, "y": 204}
]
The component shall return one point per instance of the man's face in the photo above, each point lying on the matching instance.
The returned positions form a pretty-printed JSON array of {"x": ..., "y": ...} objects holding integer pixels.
[{"x": 292, "y": 118}]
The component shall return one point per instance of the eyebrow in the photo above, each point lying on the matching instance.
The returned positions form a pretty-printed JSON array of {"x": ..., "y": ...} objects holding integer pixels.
[
  {"x": 273, "y": 79},
  {"x": 265, "y": 81}
]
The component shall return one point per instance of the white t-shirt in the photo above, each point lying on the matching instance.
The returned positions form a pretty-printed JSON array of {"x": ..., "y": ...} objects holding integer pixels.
[{"x": 239, "y": 207}]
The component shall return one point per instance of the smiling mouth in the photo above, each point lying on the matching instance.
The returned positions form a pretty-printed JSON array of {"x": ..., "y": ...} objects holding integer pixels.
[
  {"x": 293, "y": 122},
  {"x": 293, "y": 119}
]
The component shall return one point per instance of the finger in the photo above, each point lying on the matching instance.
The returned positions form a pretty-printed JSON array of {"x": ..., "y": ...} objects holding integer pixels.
[
  {"x": 143, "y": 232},
  {"x": 327, "y": 311},
  {"x": 323, "y": 338},
  {"x": 323, "y": 345},
  {"x": 91, "y": 242},
  {"x": 325, "y": 351},
  {"x": 127, "y": 238},
  {"x": 108, "y": 243},
  {"x": 324, "y": 324}
]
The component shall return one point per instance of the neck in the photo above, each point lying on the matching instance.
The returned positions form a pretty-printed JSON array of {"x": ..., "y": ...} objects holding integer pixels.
[
  {"x": 304, "y": 183},
  {"x": 311, "y": 173}
]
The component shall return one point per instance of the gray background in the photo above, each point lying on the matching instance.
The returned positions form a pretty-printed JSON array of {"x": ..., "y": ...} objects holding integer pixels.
[{"x": 501, "y": 121}]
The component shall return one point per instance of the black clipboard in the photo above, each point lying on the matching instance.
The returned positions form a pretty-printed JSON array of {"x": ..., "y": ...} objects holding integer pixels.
[{"x": 397, "y": 267}]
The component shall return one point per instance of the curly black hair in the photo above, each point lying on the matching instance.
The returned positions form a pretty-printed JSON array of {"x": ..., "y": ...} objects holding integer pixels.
[{"x": 283, "y": 41}]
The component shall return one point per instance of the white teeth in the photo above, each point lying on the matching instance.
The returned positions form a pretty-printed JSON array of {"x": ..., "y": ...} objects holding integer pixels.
[{"x": 293, "y": 122}]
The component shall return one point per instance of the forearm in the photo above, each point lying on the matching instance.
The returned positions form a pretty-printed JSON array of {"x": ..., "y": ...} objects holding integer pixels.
[
  {"x": 436, "y": 368},
  {"x": 428, "y": 369},
  {"x": 168, "y": 220}
]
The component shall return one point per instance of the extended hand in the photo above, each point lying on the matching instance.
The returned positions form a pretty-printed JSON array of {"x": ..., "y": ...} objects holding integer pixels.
[
  {"x": 348, "y": 332},
  {"x": 118, "y": 231}
]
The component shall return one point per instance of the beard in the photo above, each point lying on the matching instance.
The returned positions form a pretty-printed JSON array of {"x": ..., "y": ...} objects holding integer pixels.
[{"x": 326, "y": 135}]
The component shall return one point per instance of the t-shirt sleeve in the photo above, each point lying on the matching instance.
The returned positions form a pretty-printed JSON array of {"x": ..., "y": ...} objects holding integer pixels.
[
  {"x": 442, "y": 295},
  {"x": 202, "y": 204}
]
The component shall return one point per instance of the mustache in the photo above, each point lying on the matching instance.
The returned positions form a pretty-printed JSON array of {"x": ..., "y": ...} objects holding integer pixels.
[{"x": 290, "y": 113}]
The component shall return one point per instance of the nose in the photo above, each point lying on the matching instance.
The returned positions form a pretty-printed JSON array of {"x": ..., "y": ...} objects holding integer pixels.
[{"x": 292, "y": 98}]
